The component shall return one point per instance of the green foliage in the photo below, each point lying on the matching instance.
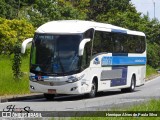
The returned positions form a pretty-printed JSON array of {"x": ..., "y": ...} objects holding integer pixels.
[
  {"x": 16, "y": 61},
  {"x": 56, "y": 10},
  {"x": 6, "y": 10},
  {"x": 153, "y": 54},
  {"x": 13, "y": 31},
  {"x": 121, "y": 13},
  {"x": 150, "y": 71},
  {"x": 9, "y": 86}
]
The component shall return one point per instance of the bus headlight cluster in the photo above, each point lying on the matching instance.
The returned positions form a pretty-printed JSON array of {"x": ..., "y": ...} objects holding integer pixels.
[
  {"x": 31, "y": 78},
  {"x": 72, "y": 79}
]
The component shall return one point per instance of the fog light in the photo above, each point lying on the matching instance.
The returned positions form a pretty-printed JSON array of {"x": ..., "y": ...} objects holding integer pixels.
[
  {"x": 74, "y": 88},
  {"x": 31, "y": 87}
]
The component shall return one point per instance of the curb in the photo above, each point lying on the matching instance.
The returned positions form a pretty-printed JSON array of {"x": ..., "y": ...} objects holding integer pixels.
[{"x": 20, "y": 97}]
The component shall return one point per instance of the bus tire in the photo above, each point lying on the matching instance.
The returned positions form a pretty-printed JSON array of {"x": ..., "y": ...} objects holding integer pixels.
[
  {"x": 93, "y": 91},
  {"x": 132, "y": 86},
  {"x": 49, "y": 96}
]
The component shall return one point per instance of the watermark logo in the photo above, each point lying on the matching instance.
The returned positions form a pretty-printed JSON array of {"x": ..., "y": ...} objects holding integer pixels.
[
  {"x": 6, "y": 114},
  {"x": 11, "y": 111},
  {"x": 12, "y": 108}
]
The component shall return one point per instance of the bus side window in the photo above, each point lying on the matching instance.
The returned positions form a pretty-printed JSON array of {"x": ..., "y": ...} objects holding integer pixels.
[
  {"x": 107, "y": 43},
  {"x": 118, "y": 48},
  {"x": 97, "y": 42},
  {"x": 143, "y": 44},
  {"x": 86, "y": 55},
  {"x": 131, "y": 44},
  {"x": 138, "y": 45}
]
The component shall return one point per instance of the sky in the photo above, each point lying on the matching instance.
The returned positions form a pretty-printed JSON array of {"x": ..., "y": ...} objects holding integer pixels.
[{"x": 145, "y": 6}]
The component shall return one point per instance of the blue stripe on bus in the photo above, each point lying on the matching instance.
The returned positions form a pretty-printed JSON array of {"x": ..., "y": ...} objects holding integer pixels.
[
  {"x": 119, "y": 31},
  {"x": 120, "y": 81},
  {"x": 122, "y": 60}
]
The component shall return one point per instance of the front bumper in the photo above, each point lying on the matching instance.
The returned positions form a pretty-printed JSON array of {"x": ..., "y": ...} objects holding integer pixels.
[{"x": 68, "y": 88}]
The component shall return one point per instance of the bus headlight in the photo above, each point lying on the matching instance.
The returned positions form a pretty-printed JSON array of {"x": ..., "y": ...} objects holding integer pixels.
[
  {"x": 72, "y": 79},
  {"x": 32, "y": 78}
]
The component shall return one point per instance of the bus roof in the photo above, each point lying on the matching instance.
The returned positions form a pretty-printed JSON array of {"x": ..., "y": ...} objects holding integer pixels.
[{"x": 79, "y": 26}]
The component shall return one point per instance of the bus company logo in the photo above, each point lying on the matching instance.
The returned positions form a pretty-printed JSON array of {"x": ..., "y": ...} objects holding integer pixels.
[
  {"x": 107, "y": 61},
  {"x": 139, "y": 60},
  {"x": 39, "y": 77},
  {"x": 38, "y": 68},
  {"x": 96, "y": 61}
]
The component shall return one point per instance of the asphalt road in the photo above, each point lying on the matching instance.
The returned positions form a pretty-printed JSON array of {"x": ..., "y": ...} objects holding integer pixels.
[{"x": 103, "y": 101}]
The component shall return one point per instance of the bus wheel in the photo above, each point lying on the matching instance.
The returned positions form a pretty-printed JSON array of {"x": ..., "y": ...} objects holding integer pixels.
[
  {"x": 49, "y": 96},
  {"x": 93, "y": 90},
  {"x": 132, "y": 86}
]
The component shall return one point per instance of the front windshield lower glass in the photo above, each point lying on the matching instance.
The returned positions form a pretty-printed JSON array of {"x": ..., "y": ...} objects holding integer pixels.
[{"x": 55, "y": 54}]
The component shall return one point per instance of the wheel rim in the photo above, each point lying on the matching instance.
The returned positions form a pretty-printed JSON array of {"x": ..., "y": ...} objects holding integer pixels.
[
  {"x": 133, "y": 84},
  {"x": 93, "y": 89}
]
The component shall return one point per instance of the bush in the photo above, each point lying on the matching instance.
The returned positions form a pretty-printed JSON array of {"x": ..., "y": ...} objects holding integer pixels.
[
  {"x": 153, "y": 55},
  {"x": 13, "y": 31}
]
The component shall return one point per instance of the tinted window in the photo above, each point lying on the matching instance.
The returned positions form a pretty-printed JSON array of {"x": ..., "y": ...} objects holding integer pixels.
[
  {"x": 55, "y": 54},
  {"x": 117, "y": 43},
  {"x": 97, "y": 42},
  {"x": 86, "y": 55}
]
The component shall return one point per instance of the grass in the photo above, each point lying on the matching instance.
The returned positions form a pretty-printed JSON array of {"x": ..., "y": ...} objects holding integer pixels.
[
  {"x": 8, "y": 85},
  {"x": 150, "y": 71},
  {"x": 153, "y": 105}
]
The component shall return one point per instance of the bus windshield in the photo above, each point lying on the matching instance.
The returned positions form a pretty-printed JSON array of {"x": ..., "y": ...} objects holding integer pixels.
[{"x": 55, "y": 54}]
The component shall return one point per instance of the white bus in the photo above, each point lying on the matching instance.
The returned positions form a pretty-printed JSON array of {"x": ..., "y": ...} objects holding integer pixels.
[{"x": 83, "y": 57}]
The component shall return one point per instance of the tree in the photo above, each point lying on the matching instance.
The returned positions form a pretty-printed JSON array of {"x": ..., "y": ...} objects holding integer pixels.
[
  {"x": 6, "y": 10},
  {"x": 55, "y": 10},
  {"x": 12, "y": 31}
]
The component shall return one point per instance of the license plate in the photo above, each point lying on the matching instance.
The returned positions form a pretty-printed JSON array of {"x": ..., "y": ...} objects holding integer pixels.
[{"x": 51, "y": 91}]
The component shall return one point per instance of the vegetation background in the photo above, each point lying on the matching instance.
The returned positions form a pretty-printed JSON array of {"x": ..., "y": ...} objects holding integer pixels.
[{"x": 20, "y": 18}]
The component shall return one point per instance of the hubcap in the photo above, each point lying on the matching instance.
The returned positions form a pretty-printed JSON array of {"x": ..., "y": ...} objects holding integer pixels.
[
  {"x": 133, "y": 86},
  {"x": 93, "y": 89}
]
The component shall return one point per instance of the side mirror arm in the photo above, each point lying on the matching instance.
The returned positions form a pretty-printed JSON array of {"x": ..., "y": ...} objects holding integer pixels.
[
  {"x": 82, "y": 44},
  {"x": 24, "y": 44}
]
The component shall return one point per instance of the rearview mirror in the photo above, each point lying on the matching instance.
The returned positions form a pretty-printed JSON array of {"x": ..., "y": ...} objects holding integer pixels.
[{"x": 25, "y": 43}]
